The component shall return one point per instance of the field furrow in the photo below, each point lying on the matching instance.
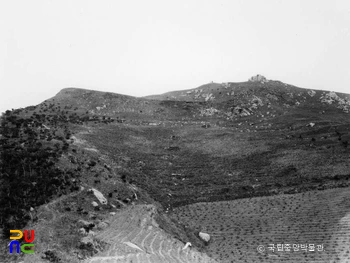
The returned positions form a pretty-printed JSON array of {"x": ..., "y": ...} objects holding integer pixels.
[{"x": 317, "y": 223}]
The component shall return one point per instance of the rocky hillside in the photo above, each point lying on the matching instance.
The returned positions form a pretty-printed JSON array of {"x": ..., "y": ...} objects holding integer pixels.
[
  {"x": 256, "y": 93},
  {"x": 85, "y": 165}
]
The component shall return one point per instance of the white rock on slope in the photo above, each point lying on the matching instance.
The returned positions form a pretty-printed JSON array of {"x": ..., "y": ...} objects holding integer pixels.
[
  {"x": 133, "y": 245},
  {"x": 188, "y": 244},
  {"x": 204, "y": 236},
  {"x": 99, "y": 196}
]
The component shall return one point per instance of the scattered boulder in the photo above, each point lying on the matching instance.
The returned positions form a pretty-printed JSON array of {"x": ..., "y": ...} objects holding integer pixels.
[
  {"x": 92, "y": 215},
  {"x": 256, "y": 101},
  {"x": 240, "y": 111},
  {"x": 85, "y": 226},
  {"x": 86, "y": 241},
  {"x": 209, "y": 112},
  {"x": 272, "y": 97},
  {"x": 311, "y": 93},
  {"x": 99, "y": 196},
  {"x": 94, "y": 204},
  {"x": 82, "y": 231},
  {"x": 91, "y": 233},
  {"x": 188, "y": 244},
  {"x": 102, "y": 225},
  {"x": 204, "y": 236},
  {"x": 208, "y": 96},
  {"x": 225, "y": 85}
]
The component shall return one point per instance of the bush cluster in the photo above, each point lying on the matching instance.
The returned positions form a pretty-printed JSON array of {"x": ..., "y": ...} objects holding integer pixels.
[{"x": 28, "y": 175}]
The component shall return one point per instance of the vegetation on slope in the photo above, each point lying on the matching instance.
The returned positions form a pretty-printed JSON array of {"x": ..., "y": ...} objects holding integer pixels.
[{"x": 29, "y": 177}]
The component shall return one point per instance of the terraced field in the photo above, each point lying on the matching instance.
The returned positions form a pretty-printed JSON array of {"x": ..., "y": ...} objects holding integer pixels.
[
  {"x": 317, "y": 218},
  {"x": 134, "y": 236}
]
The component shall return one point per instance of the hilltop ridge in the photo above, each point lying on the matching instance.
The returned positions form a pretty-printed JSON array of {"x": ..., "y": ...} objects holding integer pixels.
[
  {"x": 219, "y": 92},
  {"x": 230, "y": 99}
]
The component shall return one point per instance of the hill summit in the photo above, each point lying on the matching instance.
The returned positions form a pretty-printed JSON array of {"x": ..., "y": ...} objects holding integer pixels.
[{"x": 259, "y": 92}]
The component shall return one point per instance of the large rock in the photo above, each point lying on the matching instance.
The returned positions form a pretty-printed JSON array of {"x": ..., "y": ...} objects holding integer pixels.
[
  {"x": 204, "y": 236},
  {"x": 99, "y": 196},
  {"x": 258, "y": 78}
]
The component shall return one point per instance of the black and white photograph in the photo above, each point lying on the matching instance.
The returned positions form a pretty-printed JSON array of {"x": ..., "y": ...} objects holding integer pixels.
[{"x": 188, "y": 131}]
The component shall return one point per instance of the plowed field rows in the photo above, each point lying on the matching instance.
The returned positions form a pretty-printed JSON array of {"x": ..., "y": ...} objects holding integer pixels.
[{"x": 319, "y": 219}]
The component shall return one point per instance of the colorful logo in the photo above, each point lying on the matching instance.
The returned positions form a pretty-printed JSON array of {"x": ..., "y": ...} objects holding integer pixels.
[{"x": 24, "y": 247}]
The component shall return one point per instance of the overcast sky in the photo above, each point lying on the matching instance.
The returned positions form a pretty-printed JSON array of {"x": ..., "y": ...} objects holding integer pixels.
[{"x": 148, "y": 47}]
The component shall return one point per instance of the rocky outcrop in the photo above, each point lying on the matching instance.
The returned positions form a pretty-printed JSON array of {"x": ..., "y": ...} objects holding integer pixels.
[
  {"x": 258, "y": 78},
  {"x": 332, "y": 97},
  {"x": 255, "y": 103},
  {"x": 209, "y": 112},
  {"x": 311, "y": 93}
]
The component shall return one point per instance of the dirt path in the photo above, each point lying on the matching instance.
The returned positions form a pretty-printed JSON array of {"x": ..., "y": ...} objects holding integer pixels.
[{"x": 134, "y": 237}]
